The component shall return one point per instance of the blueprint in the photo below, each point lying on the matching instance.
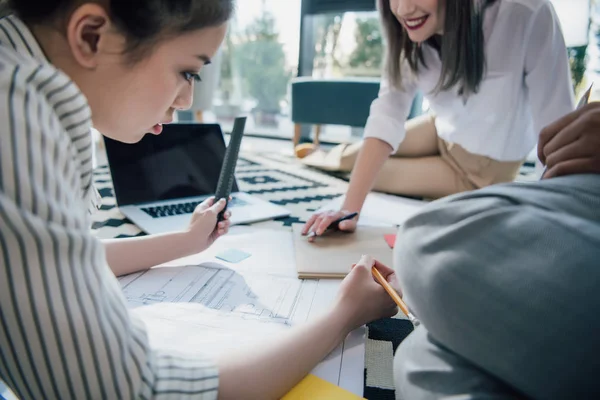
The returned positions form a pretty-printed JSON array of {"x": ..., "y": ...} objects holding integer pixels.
[
  {"x": 203, "y": 305},
  {"x": 265, "y": 297}
]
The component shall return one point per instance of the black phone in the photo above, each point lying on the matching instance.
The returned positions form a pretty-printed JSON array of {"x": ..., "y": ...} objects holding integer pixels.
[{"x": 227, "y": 174}]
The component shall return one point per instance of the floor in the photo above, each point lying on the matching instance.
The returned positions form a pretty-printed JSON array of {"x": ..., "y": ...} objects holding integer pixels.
[
  {"x": 529, "y": 172},
  {"x": 249, "y": 144}
]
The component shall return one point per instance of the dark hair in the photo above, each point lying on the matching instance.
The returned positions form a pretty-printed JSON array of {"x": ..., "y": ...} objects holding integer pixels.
[
  {"x": 461, "y": 47},
  {"x": 142, "y": 22}
]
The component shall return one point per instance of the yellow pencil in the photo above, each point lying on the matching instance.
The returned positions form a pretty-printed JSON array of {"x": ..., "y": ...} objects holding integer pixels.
[{"x": 394, "y": 295}]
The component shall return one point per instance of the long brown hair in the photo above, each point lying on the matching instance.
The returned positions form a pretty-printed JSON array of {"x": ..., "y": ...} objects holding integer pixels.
[{"x": 461, "y": 47}]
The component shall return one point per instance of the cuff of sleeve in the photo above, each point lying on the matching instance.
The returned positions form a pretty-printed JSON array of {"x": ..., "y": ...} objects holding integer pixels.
[
  {"x": 386, "y": 129},
  {"x": 182, "y": 377}
]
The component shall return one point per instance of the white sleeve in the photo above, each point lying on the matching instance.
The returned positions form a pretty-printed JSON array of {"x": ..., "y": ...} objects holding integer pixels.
[
  {"x": 390, "y": 110},
  {"x": 65, "y": 330},
  {"x": 547, "y": 72}
]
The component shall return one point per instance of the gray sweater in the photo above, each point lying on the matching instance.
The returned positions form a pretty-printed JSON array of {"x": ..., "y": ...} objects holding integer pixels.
[{"x": 506, "y": 283}]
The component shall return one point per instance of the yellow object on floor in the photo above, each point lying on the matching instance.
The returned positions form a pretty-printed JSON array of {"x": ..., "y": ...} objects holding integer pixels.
[
  {"x": 315, "y": 388},
  {"x": 304, "y": 149}
]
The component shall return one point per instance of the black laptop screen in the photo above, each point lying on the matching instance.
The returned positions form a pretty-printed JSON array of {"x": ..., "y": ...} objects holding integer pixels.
[{"x": 183, "y": 161}]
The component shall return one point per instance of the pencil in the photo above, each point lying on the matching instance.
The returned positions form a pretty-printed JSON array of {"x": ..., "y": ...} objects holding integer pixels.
[
  {"x": 585, "y": 99},
  {"x": 394, "y": 295}
]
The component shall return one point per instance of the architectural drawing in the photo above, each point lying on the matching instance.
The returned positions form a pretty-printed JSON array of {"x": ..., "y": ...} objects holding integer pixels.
[{"x": 263, "y": 297}]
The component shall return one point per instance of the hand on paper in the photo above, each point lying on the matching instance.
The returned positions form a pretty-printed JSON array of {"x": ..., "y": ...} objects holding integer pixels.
[
  {"x": 203, "y": 229},
  {"x": 319, "y": 222},
  {"x": 571, "y": 145},
  {"x": 364, "y": 300}
]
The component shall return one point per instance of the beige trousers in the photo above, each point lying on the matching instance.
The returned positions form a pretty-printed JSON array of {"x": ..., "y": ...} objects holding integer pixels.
[{"x": 425, "y": 165}]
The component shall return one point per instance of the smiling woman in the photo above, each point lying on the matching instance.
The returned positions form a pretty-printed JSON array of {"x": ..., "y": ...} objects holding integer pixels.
[
  {"x": 483, "y": 66},
  {"x": 452, "y": 26}
]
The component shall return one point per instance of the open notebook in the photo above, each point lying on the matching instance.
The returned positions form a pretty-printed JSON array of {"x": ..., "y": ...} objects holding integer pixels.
[{"x": 332, "y": 255}]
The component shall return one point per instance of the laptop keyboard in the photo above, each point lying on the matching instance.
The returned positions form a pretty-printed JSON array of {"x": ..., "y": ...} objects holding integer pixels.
[{"x": 169, "y": 210}]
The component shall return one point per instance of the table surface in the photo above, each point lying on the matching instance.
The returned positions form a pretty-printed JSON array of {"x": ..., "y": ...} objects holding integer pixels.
[{"x": 277, "y": 178}]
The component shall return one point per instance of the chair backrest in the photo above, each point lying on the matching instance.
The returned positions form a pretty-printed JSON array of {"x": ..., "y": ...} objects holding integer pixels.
[
  {"x": 337, "y": 101},
  {"x": 313, "y": 7},
  {"x": 332, "y": 101}
]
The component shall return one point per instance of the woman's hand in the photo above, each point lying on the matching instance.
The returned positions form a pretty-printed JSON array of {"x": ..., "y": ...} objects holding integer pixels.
[
  {"x": 203, "y": 229},
  {"x": 319, "y": 222},
  {"x": 362, "y": 299}
]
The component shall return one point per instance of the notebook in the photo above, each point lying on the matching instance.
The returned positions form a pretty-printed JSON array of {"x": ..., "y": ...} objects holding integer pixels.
[
  {"x": 315, "y": 388},
  {"x": 332, "y": 255}
]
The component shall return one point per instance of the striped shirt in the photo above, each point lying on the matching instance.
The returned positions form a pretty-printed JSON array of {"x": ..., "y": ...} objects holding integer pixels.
[{"x": 65, "y": 331}]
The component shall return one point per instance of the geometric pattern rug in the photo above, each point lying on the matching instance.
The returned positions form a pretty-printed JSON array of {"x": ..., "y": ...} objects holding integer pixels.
[
  {"x": 302, "y": 190},
  {"x": 274, "y": 178}
]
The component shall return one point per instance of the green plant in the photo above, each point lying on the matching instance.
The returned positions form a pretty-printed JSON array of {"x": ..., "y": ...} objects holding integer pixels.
[
  {"x": 368, "y": 52},
  {"x": 577, "y": 61},
  {"x": 261, "y": 62}
]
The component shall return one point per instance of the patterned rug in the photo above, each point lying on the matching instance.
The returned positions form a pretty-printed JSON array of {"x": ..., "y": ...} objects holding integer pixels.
[{"x": 301, "y": 190}]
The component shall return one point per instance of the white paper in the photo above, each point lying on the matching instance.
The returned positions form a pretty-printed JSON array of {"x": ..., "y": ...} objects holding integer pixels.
[
  {"x": 271, "y": 251},
  {"x": 218, "y": 288},
  {"x": 202, "y": 305},
  {"x": 382, "y": 209}
]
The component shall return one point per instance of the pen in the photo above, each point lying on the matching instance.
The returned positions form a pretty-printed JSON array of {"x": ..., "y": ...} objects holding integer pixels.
[
  {"x": 582, "y": 102},
  {"x": 335, "y": 224},
  {"x": 395, "y": 296}
]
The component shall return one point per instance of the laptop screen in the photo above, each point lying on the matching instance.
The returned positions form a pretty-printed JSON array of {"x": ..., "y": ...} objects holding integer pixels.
[{"x": 183, "y": 161}]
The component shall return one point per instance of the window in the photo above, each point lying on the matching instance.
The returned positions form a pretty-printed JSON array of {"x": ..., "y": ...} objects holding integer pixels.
[
  {"x": 257, "y": 61},
  {"x": 347, "y": 44},
  {"x": 260, "y": 56}
]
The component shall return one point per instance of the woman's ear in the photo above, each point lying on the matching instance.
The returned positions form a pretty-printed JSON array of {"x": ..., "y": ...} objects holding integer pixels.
[{"x": 87, "y": 34}]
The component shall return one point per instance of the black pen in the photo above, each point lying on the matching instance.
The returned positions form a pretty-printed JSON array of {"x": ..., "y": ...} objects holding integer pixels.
[{"x": 335, "y": 224}]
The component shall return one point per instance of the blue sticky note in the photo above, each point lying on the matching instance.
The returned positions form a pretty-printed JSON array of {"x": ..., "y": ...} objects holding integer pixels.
[{"x": 233, "y": 256}]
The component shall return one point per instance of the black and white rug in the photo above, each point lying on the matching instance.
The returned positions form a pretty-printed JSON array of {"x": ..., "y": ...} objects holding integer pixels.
[{"x": 302, "y": 190}]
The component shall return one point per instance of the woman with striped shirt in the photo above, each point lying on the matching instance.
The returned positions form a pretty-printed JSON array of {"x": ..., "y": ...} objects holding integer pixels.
[{"x": 65, "y": 332}]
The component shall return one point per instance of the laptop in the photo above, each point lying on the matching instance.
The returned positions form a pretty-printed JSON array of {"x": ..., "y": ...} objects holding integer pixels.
[{"x": 161, "y": 179}]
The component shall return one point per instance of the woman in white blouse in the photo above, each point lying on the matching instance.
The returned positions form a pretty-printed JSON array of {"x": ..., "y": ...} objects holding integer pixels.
[
  {"x": 494, "y": 72},
  {"x": 65, "y": 331}
]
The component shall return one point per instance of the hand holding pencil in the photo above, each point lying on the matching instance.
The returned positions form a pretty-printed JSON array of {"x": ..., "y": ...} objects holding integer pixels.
[
  {"x": 360, "y": 299},
  {"x": 567, "y": 146},
  {"x": 397, "y": 297},
  {"x": 393, "y": 294},
  {"x": 386, "y": 277}
]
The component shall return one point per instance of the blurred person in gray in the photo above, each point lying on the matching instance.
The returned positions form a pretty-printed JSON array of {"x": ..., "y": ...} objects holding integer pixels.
[{"x": 505, "y": 281}]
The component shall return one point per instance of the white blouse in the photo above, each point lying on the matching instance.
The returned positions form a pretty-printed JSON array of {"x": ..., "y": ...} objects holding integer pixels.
[
  {"x": 527, "y": 85},
  {"x": 65, "y": 331}
]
